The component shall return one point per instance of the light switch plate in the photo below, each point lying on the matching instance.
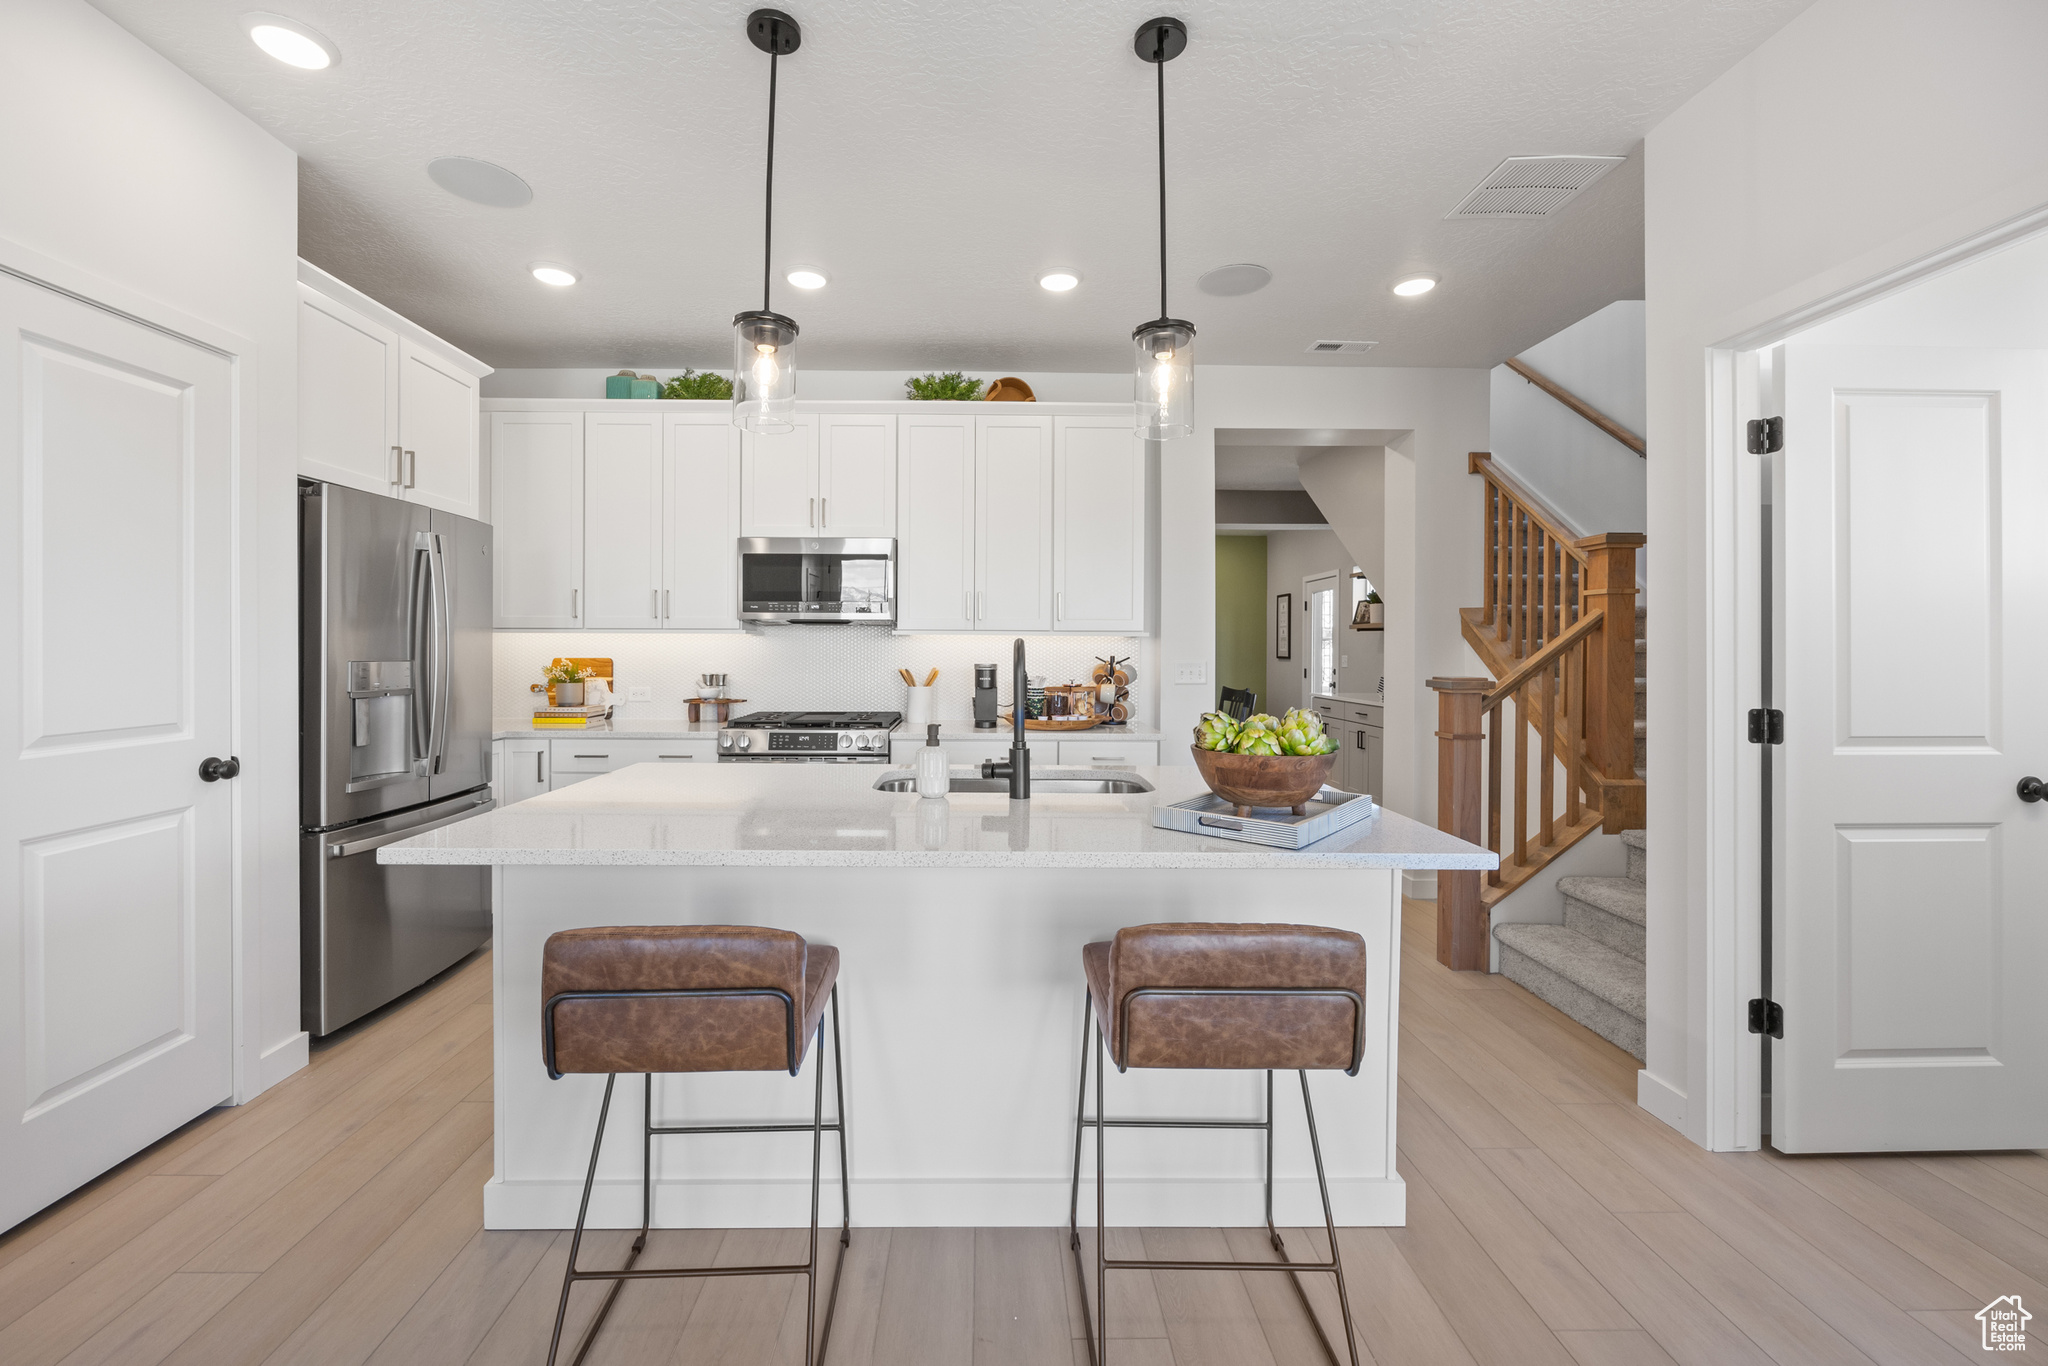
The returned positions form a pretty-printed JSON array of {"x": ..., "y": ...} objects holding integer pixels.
[
  {"x": 640, "y": 694},
  {"x": 1190, "y": 673}
]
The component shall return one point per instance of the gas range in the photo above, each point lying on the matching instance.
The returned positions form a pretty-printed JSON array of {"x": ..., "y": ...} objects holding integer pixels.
[{"x": 831, "y": 737}]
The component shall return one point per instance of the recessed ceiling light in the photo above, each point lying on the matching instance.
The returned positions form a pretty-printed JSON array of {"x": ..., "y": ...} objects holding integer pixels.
[
  {"x": 553, "y": 275},
  {"x": 1059, "y": 281},
  {"x": 807, "y": 279},
  {"x": 480, "y": 182},
  {"x": 1414, "y": 285},
  {"x": 1227, "y": 281},
  {"x": 290, "y": 41}
]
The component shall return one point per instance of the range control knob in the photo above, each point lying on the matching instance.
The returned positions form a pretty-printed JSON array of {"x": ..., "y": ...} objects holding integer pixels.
[
  {"x": 846, "y": 741},
  {"x": 725, "y": 742},
  {"x": 746, "y": 742}
]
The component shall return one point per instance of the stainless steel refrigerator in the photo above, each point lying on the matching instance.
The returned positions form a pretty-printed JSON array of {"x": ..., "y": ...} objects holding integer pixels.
[{"x": 394, "y": 740}]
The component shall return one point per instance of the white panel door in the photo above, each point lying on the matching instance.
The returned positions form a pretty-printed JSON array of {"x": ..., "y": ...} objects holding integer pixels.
[
  {"x": 1098, "y": 526},
  {"x": 1911, "y": 924},
  {"x": 437, "y": 431},
  {"x": 701, "y": 491},
  {"x": 1013, "y": 523},
  {"x": 935, "y": 524},
  {"x": 537, "y": 516},
  {"x": 116, "y": 956},
  {"x": 857, "y": 475},
  {"x": 622, "y": 521},
  {"x": 779, "y": 493},
  {"x": 348, "y": 396}
]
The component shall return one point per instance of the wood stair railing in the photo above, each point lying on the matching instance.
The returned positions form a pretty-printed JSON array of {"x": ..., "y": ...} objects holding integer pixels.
[{"x": 1557, "y": 632}]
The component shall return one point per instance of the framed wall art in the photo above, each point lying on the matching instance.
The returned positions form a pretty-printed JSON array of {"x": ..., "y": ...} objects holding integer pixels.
[{"x": 1283, "y": 626}]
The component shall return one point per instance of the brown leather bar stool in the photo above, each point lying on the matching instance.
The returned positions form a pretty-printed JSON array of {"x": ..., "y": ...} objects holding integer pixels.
[
  {"x": 1205, "y": 996},
  {"x": 692, "y": 998}
]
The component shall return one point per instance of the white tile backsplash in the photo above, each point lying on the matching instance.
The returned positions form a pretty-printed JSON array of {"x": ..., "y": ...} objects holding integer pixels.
[{"x": 835, "y": 668}]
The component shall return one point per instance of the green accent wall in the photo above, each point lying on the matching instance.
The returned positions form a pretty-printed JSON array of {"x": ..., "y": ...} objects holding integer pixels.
[{"x": 1241, "y": 623}]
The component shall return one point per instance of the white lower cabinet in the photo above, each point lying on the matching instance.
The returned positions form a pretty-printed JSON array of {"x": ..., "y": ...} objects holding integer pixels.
[
  {"x": 1108, "y": 753},
  {"x": 1044, "y": 750},
  {"x": 573, "y": 759},
  {"x": 519, "y": 769}
]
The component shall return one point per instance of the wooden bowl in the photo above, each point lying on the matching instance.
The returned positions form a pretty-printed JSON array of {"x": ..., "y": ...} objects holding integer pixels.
[
  {"x": 1009, "y": 389},
  {"x": 1269, "y": 780}
]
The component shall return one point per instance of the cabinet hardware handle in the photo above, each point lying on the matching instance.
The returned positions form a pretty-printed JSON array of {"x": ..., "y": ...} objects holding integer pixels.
[
  {"x": 540, "y": 759},
  {"x": 967, "y": 606},
  {"x": 654, "y": 603},
  {"x": 980, "y": 604},
  {"x": 684, "y": 757},
  {"x": 593, "y": 756},
  {"x": 573, "y": 601},
  {"x": 412, "y": 468},
  {"x": 1059, "y": 606},
  {"x": 664, "y": 604},
  {"x": 397, "y": 465},
  {"x": 823, "y": 519},
  {"x": 811, "y": 510}
]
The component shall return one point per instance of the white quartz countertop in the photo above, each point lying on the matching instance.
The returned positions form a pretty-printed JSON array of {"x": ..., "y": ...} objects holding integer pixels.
[
  {"x": 521, "y": 728},
  {"x": 830, "y": 815}
]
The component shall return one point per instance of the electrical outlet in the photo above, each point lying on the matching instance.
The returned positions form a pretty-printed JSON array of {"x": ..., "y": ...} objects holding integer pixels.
[
  {"x": 1190, "y": 673},
  {"x": 640, "y": 694}
]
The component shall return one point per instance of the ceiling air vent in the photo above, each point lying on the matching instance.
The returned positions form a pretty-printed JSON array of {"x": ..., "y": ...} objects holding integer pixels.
[
  {"x": 1349, "y": 347},
  {"x": 1529, "y": 187}
]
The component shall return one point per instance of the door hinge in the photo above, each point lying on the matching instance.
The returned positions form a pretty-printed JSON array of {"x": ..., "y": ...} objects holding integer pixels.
[
  {"x": 1766, "y": 726},
  {"x": 1766, "y": 435},
  {"x": 1767, "y": 1017}
]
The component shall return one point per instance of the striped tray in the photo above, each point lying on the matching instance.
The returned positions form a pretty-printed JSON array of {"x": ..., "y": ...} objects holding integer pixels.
[{"x": 1328, "y": 812}]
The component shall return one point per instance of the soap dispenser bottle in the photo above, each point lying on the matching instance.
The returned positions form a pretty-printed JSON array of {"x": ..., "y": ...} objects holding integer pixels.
[{"x": 934, "y": 778}]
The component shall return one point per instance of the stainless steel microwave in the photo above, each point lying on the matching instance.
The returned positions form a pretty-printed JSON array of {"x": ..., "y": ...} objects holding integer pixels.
[{"x": 804, "y": 579}]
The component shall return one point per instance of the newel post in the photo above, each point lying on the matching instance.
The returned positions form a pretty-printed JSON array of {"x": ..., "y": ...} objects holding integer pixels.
[
  {"x": 1460, "y": 811},
  {"x": 1608, "y": 586}
]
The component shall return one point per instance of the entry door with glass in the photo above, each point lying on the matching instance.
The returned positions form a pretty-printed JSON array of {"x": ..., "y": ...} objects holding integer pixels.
[{"x": 1319, "y": 604}]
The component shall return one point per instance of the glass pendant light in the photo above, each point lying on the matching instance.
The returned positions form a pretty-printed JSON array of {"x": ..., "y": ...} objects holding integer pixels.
[
  {"x": 1166, "y": 345},
  {"x": 764, "y": 341}
]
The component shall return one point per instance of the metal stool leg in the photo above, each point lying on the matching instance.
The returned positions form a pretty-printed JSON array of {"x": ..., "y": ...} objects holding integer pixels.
[
  {"x": 1330, "y": 1224},
  {"x": 576, "y": 1241},
  {"x": 1101, "y": 1222},
  {"x": 845, "y": 1177}
]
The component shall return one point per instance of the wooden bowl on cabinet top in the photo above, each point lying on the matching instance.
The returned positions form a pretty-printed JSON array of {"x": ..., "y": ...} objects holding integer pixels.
[{"x": 1247, "y": 781}]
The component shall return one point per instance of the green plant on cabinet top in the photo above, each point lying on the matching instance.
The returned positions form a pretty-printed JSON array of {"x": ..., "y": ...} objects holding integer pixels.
[
  {"x": 950, "y": 386},
  {"x": 693, "y": 384}
]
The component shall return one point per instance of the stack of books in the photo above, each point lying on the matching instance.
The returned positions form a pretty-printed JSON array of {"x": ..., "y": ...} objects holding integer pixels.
[{"x": 576, "y": 717}]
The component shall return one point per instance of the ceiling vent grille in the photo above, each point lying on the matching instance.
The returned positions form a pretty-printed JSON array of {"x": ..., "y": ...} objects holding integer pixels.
[
  {"x": 1349, "y": 347},
  {"x": 1530, "y": 187}
]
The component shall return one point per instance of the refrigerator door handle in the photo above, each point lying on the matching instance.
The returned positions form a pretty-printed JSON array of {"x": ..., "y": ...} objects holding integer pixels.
[
  {"x": 350, "y": 848},
  {"x": 421, "y": 634},
  {"x": 444, "y": 656}
]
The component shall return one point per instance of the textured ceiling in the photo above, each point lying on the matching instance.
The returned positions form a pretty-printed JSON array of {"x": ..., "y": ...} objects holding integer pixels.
[{"x": 933, "y": 159}]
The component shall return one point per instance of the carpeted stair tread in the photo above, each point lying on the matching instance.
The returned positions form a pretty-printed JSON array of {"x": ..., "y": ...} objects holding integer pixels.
[
  {"x": 1594, "y": 985},
  {"x": 1621, "y": 897}
]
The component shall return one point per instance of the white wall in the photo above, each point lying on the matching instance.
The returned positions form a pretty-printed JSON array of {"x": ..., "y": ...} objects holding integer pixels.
[
  {"x": 1292, "y": 556},
  {"x": 1349, "y": 486},
  {"x": 1863, "y": 137},
  {"x": 1432, "y": 534},
  {"x": 1597, "y": 483},
  {"x": 117, "y": 164}
]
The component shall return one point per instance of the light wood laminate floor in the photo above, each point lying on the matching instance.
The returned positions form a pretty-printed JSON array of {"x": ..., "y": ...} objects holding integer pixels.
[{"x": 337, "y": 1220}]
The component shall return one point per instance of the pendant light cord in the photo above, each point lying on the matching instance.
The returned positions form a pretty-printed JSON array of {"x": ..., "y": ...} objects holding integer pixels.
[
  {"x": 768, "y": 214},
  {"x": 1161, "y": 64}
]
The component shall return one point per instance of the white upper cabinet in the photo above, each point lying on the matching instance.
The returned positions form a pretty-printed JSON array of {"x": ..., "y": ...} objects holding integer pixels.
[
  {"x": 779, "y": 481},
  {"x": 385, "y": 406},
  {"x": 701, "y": 498},
  {"x": 1013, "y": 523},
  {"x": 348, "y": 396},
  {"x": 537, "y": 506},
  {"x": 622, "y": 506},
  {"x": 857, "y": 475},
  {"x": 935, "y": 524},
  {"x": 1099, "y": 522},
  {"x": 437, "y": 431}
]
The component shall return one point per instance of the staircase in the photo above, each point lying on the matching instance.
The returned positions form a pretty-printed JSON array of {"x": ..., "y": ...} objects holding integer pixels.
[
  {"x": 1590, "y": 967},
  {"x": 1545, "y": 752}
]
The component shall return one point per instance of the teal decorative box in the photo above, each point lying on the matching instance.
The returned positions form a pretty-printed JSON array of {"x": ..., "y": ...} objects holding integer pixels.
[{"x": 626, "y": 384}]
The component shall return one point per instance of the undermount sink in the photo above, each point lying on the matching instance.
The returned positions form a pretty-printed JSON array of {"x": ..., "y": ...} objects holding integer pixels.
[{"x": 1051, "y": 782}]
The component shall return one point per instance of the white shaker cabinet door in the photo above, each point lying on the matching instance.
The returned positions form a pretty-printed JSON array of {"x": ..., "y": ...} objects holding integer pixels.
[
  {"x": 348, "y": 396},
  {"x": 701, "y": 495},
  {"x": 437, "y": 432},
  {"x": 1013, "y": 523},
  {"x": 779, "y": 473},
  {"x": 537, "y": 514},
  {"x": 857, "y": 475},
  {"x": 935, "y": 524},
  {"x": 1099, "y": 542},
  {"x": 521, "y": 772},
  {"x": 622, "y": 520}
]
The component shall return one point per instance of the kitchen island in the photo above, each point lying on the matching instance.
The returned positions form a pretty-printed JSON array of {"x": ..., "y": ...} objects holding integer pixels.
[{"x": 960, "y": 924}]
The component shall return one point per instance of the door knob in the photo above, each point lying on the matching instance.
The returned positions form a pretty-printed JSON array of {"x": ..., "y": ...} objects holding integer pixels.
[
  {"x": 213, "y": 770},
  {"x": 2033, "y": 790}
]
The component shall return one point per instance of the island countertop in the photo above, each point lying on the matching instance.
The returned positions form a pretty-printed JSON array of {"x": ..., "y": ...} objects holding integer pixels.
[{"x": 830, "y": 815}]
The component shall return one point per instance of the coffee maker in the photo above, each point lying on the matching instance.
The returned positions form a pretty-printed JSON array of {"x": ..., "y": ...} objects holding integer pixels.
[{"x": 984, "y": 697}]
